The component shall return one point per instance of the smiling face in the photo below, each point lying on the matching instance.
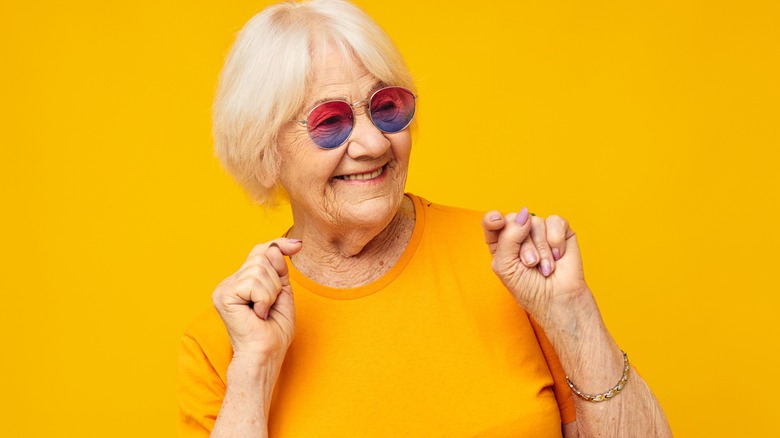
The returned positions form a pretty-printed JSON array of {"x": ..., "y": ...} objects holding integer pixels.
[{"x": 361, "y": 182}]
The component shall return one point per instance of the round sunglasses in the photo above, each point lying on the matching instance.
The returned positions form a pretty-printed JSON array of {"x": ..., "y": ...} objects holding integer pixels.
[{"x": 391, "y": 109}]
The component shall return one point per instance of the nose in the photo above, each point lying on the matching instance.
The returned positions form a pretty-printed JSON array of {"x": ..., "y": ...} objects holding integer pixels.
[{"x": 366, "y": 140}]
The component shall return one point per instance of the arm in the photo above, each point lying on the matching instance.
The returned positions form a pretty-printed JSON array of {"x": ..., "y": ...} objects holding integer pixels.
[
  {"x": 245, "y": 408},
  {"x": 539, "y": 263},
  {"x": 594, "y": 362},
  {"x": 256, "y": 305}
]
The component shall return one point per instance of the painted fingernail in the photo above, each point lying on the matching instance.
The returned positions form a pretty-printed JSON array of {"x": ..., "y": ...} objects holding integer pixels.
[
  {"x": 530, "y": 257},
  {"x": 265, "y": 315},
  {"x": 495, "y": 217},
  {"x": 556, "y": 254},
  {"x": 522, "y": 217},
  {"x": 546, "y": 268}
]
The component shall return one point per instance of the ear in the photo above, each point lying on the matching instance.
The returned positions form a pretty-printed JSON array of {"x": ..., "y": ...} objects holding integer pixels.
[{"x": 266, "y": 168}]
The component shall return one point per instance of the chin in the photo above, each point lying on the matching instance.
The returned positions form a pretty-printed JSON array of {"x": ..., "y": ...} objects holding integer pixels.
[{"x": 381, "y": 207}]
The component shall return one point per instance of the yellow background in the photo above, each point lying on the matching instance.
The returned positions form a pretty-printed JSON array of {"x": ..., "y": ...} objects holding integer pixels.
[{"x": 652, "y": 126}]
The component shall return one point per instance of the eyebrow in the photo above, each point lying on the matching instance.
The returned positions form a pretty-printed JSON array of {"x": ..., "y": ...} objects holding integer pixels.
[{"x": 377, "y": 85}]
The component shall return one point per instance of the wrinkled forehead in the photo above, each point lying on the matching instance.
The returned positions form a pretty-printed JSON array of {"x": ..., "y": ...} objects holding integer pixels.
[
  {"x": 331, "y": 60},
  {"x": 336, "y": 73}
]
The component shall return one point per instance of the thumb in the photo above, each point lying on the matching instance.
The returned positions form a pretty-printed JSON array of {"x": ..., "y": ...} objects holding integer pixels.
[
  {"x": 517, "y": 229},
  {"x": 287, "y": 246},
  {"x": 572, "y": 246},
  {"x": 277, "y": 250}
]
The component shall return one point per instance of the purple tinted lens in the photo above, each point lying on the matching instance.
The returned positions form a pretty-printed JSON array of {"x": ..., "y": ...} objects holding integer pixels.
[
  {"x": 392, "y": 109},
  {"x": 330, "y": 124}
]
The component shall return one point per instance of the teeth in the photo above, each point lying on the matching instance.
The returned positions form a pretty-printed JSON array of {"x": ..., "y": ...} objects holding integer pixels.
[{"x": 364, "y": 176}]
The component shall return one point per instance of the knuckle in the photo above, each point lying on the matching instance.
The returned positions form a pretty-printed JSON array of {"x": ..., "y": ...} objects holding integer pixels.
[
  {"x": 541, "y": 244},
  {"x": 218, "y": 299},
  {"x": 267, "y": 298},
  {"x": 556, "y": 237},
  {"x": 261, "y": 249},
  {"x": 248, "y": 283},
  {"x": 257, "y": 271},
  {"x": 263, "y": 302},
  {"x": 255, "y": 259},
  {"x": 556, "y": 221},
  {"x": 219, "y": 291},
  {"x": 270, "y": 257},
  {"x": 491, "y": 238},
  {"x": 256, "y": 250}
]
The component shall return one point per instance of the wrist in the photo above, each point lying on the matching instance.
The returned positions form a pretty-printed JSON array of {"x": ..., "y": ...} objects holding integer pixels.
[
  {"x": 587, "y": 351},
  {"x": 567, "y": 312},
  {"x": 254, "y": 380},
  {"x": 253, "y": 368},
  {"x": 574, "y": 325}
]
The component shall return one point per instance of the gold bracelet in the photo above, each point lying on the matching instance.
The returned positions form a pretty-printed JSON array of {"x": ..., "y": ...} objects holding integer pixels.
[{"x": 609, "y": 394}]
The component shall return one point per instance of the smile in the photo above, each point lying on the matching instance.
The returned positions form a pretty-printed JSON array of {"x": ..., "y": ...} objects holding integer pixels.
[{"x": 363, "y": 176}]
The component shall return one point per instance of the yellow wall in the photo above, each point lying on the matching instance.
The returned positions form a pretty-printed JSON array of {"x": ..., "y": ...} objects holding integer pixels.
[{"x": 652, "y": 126}]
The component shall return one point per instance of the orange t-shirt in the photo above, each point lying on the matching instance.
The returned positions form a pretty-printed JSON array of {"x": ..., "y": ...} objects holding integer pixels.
[{"x": 435, "y": 347}]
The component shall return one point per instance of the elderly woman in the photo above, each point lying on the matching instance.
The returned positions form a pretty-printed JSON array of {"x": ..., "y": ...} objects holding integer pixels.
[{"x": 407, "y": 320}]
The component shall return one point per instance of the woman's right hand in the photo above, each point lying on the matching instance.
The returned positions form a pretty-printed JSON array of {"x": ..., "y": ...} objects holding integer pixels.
[{"x": 256, "y": 304}]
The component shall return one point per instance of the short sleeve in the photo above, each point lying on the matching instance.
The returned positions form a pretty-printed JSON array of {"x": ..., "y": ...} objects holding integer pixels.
[
  {"x": 199, "y": 390},
  {"x": 561, "y": 389}
]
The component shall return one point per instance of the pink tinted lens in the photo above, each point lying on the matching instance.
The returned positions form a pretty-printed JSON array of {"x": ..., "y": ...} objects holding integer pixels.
[
  {"x": 392, "y": 109},
  {"x": 330, "y": 124}
]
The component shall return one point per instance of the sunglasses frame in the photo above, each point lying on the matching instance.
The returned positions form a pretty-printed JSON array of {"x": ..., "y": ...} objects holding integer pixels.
[{"x": 365, "y": 102}]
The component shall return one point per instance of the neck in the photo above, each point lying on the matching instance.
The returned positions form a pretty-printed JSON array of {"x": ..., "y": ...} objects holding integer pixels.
[{"x": 352, "y": 255}]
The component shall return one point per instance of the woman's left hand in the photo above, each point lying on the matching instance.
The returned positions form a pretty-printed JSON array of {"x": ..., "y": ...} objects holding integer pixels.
[{"x": 537, "y": 259}]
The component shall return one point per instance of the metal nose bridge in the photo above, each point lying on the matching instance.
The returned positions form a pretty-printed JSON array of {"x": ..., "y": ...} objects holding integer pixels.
[{"x": 360, "y": 103}]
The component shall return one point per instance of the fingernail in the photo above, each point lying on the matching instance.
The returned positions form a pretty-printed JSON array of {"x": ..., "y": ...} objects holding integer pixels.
[
  {"x": 546, "y": 268},
  {"x": 556, "y": 254},
  {"x": 530, "y": 257},
  {"x": 295, "y": 240},
  {"x": 495, "y": 217},
  {"x": 265, "y": 315},
  {"x": 522, "y": 217}
]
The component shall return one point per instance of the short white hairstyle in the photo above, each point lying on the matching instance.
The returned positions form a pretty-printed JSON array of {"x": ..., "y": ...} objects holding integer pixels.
[{"x": 266, "y": 76}]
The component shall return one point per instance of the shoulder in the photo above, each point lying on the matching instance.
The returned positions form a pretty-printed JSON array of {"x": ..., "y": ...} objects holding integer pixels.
[
  {"x": 444, "y": 209},
  {"x": 454, "y": 232},
  {"x": 208, "y": 332},
  {"x": 206, "y": 325},
  {"x": 449, "y": 217}
]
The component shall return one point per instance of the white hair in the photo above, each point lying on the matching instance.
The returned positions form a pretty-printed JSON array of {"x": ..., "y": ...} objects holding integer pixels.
[{"x": 265, "y": 79}]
